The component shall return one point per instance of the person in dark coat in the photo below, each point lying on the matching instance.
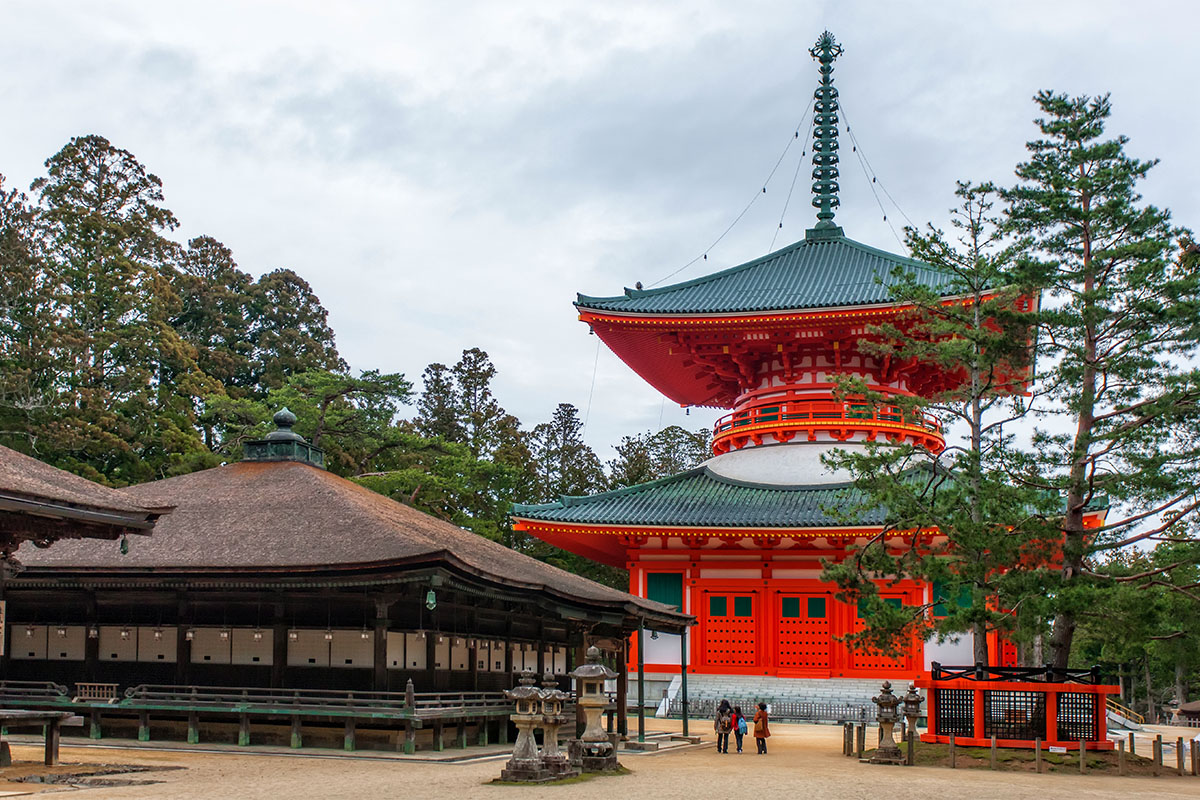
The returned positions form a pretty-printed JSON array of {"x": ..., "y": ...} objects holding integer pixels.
[
  {"x": 761, "y": 731},
  {"x": 723, "y": 724}
]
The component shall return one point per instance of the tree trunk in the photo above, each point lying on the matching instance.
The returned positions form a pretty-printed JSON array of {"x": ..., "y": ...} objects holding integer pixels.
[
  {"x": 980, "y": 643},
  {"x": 1151, "y": 717},
  {"x": 1039, "y": 656},
  {"x": 1180, "y": 685}
]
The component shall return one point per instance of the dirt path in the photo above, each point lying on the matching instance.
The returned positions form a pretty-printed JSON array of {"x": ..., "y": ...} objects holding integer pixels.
[{"x": 804, "y": 764}]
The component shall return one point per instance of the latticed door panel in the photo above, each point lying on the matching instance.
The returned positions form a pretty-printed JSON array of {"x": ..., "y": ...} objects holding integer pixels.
[
  {"x": 729, "y": 631},
  {"x": 804, "y": 637}
]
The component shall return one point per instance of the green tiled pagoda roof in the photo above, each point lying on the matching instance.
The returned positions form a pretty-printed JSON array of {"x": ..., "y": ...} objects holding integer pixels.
[
  {"x": 825, "y": 272},
  {"x": 700, "y": 498}
]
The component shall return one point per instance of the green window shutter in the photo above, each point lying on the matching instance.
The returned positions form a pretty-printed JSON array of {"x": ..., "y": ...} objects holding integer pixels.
[
  {"x": 941, "y": 595},
  {"x": 816, "y": 608},
  {"x": 743, "y": 607},
  {"x": 665, "y": 587},
  {"x": 894, "y": 602},
  {"x": 791, "y": 608},
  {"x": 717, "y": 606}
]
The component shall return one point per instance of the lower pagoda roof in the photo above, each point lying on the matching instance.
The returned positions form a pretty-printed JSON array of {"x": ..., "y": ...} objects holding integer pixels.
[{"x": 699, "y": 498}]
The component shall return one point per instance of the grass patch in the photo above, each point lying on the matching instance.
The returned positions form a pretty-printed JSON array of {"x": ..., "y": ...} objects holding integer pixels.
[
  {"x": 581, "y": 778},
  {"x": 1101, "y": 762}
]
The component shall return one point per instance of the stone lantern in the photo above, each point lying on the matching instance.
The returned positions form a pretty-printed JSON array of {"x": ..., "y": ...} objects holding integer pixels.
[
  {"x": 912, "y": 706},
  {"x": 553, "y": 759},
  {"x": 597, "y": 750},
  {"x": 525, "y": 763},
  {"x": 888, "y": 752}
]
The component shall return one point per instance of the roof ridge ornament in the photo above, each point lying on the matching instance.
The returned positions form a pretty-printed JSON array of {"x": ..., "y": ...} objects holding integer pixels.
[
  {"x": 283, "y": 444},
  {"x": 825, "y": 142}
]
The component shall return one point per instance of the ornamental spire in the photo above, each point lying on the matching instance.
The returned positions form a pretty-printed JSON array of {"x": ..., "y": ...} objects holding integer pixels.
[{"x": 825, "y": 140}]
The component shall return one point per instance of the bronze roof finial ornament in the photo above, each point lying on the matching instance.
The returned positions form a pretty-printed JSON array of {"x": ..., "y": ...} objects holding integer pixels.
[{"x": 825, "y": 140}]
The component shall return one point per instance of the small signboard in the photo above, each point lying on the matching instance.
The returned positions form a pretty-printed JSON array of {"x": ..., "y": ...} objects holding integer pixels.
[{"x": 1058, "y": 749}]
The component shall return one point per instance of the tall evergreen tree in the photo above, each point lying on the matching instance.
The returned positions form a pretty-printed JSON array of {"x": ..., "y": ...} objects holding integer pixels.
[
  {"x": 990, "y": 528},
  {"x": 1118, "y": 335},
  {"x": 289, "y": 332},
  {"x": 563, "y": 462},
  {"x": 437, "y": 409},
  {"x": 654, "y": 455},
  {"x": 27, "y": 321},
  {"x": 125, "y": 382}
]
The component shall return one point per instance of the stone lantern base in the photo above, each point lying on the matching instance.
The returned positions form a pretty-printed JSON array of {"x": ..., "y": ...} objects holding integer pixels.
[
  {"x": 593, "y": 756},
  {"x": 527, "y": 771}
]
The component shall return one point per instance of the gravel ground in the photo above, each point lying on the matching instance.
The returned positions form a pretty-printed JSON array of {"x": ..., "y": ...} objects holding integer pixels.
[{"x": 805, "y": 763}]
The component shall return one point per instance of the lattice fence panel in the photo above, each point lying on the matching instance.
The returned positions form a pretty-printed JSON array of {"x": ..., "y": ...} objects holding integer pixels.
[
  {"x": 1077, "y": 717},
  {"x": 955, "y": 710},
  {"x": 1014, "y": 715},
  {"x": 803, "y": 641}
]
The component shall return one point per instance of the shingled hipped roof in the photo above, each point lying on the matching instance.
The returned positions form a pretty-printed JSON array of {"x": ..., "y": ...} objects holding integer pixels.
[
  {"x": 700, "y": 498},
  {"x": 829, "y": 273},
  {"x": 288, "y": 518},
  {"x": 39, "y": 491}
]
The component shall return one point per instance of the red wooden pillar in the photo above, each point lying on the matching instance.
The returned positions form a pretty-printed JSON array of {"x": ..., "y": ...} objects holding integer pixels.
[
  {"x": 1051, "y": 715},
  {"x": 978, "y": 713}
]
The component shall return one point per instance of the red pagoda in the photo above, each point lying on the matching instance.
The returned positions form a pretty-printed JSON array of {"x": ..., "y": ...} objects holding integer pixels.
[{"x": 737, "y": 542}]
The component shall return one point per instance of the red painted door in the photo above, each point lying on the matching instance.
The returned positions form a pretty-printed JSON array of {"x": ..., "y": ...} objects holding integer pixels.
[
  {"x": 804, "y": 639},
  {"x": 730, "y": 638}
]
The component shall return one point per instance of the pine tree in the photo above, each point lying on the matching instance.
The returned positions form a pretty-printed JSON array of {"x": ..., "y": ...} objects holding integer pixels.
[
  {"x": 289, "y": 331},
  {"x": 1117, "y": 336},
  {"x": 989, "y": 529},
  {"x": 437, "y": 409}
]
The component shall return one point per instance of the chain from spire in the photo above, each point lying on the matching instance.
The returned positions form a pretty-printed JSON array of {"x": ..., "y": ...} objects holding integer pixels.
[{"x": 825, "y": 140}]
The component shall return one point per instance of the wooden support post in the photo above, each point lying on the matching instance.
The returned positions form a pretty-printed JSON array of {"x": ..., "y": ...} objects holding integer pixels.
[
  {"x": 502, "y": 731},
  {"x": 1195, "y": 758},
  {"x": 860, "y": 740},
  {"x": 953, "y": 753},
  {"x": 993, "y": 751},
  {"x": 683, "y": 667},
  {"x": 297, "y": 738},
  {"x": 641, "y": 694},
  {"x": 143, "y": 726},
  {"x": 1037, "y": 755},
  {"x": 193, "y": 732},
  {"x": 349, "y": 736},
  {"x": 912, "y": 747},
  {"x": 1120, "y": 756},
  {"x": 460, "y": 734},
  {"x": 94, "y": 730},
  {"x": 622, "y": 691},
  {"x": 1158, "y": 759},
  {"x": 1179, "y": 756},
  {"x": 52, "y": 736},
  {"x": 410, "y": 737},
  {"x": 5, "y": 755},
  {"x": 1082, "y": 756},
  {"x": 1132, "y": 746},
  {"x": 847, "y": 739},
  {"x": 481, "y": 735},
  {"x": 438, "y": 729},
  {"x": 243, "y": 730}
]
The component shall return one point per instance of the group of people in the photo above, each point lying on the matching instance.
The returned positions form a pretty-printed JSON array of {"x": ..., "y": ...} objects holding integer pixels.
[{"x": 730, "y": 719}]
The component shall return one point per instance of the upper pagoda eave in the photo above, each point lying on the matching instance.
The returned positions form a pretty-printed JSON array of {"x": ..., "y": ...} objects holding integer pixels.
[{"x": 809, "y": 275}]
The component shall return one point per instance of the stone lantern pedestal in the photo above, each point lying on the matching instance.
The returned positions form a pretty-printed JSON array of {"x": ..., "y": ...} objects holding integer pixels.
[
  {"x": 553, "y": 759},
  {"x": 526, "y": 765},
  {"x": 888, "y": 751},
  {"x": 596, "y": 752}
]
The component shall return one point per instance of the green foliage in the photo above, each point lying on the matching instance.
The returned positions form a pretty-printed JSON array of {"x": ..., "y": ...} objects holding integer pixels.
[
  {"x": 989, "y": 530},
  {"x": 1117, "y": 335},
  {"x": 650, "y": 456}
]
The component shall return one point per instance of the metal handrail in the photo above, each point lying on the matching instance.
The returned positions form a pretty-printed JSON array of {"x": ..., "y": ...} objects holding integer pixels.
[{"x": 1044, "y": 674}]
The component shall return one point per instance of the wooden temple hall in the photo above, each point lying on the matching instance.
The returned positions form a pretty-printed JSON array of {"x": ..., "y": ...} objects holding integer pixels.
[{"x": 273, "y": 579}]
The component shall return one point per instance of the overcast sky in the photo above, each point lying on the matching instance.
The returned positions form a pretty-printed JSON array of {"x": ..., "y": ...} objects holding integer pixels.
[{"x": 450, "y": 174}]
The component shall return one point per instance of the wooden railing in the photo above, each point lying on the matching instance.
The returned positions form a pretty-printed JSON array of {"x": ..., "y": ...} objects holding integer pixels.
[
  {"x": 1127, "y": 713},
  {"x": 43, "y": 692},
  {"x": 785, "y": 418},
  {"x": 1044, "y": 674},
  {"x": 781, "y": 710}
]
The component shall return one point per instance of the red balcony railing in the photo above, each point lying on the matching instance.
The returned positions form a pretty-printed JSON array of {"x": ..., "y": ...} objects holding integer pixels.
[{"x": 785, "y": 419}]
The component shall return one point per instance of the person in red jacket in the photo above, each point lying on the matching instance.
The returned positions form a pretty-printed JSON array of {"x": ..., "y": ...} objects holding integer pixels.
[
  {"x": 761, "y": 731},
  {"x": 740, "y": 727}
]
